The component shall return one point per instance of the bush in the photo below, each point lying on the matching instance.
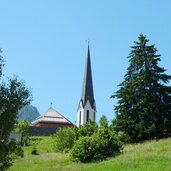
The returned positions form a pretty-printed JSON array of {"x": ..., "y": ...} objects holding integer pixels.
[
  {"x": 84, "y": 149},
  {"x": 124, "y": 137},
  {"x": 103, "y": 122},
  {"x": 34, "y": 151},
  {"x": 88, "y": 129},
  {"x": 23, "y": 127},
  {"x": 19, "y": 151},
  {"x": 100, "y": 145},
  {"x": 64, "y": 139}
]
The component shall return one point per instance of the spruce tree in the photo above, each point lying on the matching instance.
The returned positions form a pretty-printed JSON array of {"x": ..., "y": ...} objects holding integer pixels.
[{"x": 143, "y": 110}]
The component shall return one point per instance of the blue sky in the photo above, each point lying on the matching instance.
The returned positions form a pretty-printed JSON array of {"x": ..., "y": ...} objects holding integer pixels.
[{"x": 44, "y": 42}]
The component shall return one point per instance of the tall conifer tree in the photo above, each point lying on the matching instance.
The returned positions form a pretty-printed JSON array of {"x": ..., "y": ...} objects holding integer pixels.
[{"x": 144, "y": 98}]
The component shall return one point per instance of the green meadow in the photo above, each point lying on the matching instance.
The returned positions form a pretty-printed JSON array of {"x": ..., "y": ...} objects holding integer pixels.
[{"x": 147, "y": 156}]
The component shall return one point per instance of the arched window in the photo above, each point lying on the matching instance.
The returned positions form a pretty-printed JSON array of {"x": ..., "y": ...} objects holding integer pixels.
[
  {"x": 87, "y": 115},
  {"x": 80, "y": 118}
]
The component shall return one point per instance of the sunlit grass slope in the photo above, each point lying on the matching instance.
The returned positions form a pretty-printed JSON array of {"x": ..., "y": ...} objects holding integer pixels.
[
  {"x": 42, "y": 144},
  {"x": 148, "y": 156}
]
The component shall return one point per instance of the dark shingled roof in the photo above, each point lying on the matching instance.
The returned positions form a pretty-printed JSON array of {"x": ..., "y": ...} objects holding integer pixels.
[{"x": 87, "y": 87}]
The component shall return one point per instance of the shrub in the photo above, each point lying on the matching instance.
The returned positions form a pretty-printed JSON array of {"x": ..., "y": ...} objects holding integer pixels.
[
  {"x": 34, "y": 151},
  {"x": 84, "y": 149},
  {"x": 124, "y": 137},
  {"x": 103, "y": 122},
  {"x": 108, "y": 143},
  {"x": 64, "y": 139},
  {"x": 19, "y": 151},
  {"x": 23, "y": 126},
  {"x": 102, "y": 144},
  {"x": 87, "y": 129}
]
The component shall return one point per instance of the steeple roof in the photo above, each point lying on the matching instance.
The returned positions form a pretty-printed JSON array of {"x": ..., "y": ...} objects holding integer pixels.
[{"x": 87, "y": 87}]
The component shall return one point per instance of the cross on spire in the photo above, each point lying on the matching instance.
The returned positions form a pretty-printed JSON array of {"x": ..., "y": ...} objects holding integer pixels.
[{"x": 51, "y": 104}]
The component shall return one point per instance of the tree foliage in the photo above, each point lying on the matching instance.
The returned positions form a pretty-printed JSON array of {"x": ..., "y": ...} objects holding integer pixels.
[
  {"x": 102, "y": 144},
  {"x": 144, "y": 98},
  {"x": 87, "y": 129},
  {"x": 103, "y": 121},
  {"x": 64, "y": 139},
  {"x": 88, "y": 142},
  {"x": 23, "y": 126},
  {"x": 13, "y": 96}
]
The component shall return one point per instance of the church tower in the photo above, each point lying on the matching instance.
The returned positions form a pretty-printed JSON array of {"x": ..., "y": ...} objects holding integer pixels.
[{"x": 87, "y": 107}]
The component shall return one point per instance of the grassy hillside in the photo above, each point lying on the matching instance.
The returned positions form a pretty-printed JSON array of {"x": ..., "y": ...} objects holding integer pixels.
[
  {"x": 151, "y": 155},
  {"x": 42, "y": 144}
]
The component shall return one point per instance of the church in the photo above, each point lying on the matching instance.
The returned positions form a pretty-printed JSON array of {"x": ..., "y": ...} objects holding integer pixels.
[
  {"x": 86, "y": 111},
  {"x": 87, "y": 106}
]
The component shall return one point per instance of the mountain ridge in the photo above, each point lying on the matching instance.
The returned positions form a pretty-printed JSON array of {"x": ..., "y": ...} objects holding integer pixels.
[{"x": 28, "y": 113}]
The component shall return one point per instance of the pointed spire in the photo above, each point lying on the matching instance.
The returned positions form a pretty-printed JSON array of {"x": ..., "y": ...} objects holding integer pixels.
[{"x": 87, "y": 87}]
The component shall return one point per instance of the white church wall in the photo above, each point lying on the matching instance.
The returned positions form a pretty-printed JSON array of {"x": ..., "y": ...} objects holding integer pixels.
[{"x": 83, "y": 111}]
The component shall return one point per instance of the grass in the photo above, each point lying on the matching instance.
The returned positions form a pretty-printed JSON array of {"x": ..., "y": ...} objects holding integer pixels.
[
  {"x": 148, "y": 156},
  {"x": 42, "y": 144}
]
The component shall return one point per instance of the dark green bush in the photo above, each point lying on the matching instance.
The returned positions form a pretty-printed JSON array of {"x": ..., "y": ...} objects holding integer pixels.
[
  {"x": 19, "y": 151},
  {"x": 102, "y": 144},
  {"x": 34, "y": 151},
  {"x": 84, "y": 149},
  {"x": 124, "y": 137},
  {"x": 109, "y": 143}
]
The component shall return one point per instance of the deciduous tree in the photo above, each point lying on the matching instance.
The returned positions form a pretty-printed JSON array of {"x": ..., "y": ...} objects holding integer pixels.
[{"x": 13, "y": 96}]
